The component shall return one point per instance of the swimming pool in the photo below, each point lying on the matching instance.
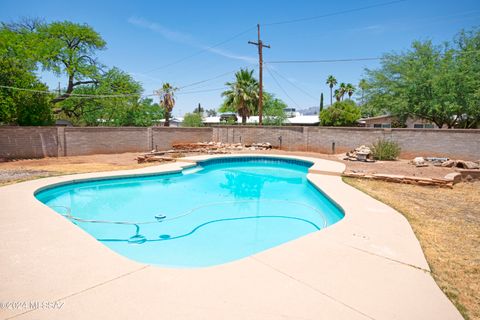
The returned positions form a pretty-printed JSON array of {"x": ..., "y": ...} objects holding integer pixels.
[{"x": 219, "y": 211}]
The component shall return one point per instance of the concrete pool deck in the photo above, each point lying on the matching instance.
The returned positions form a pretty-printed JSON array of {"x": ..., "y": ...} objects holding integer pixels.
[{"x": 369, "y": 265}]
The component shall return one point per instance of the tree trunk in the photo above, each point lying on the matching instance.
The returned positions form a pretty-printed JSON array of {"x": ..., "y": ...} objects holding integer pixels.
[
  {"x": 244, "y": 119},
  {"x": 331, "y": 95},
  {"x": 65, "y": 95},
  {"x": 167, "y": 119}
]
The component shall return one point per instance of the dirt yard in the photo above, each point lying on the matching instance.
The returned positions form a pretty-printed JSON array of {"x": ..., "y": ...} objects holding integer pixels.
[
  {"x": 22, "y": 170},
  {"x": 447, "y": 224},
  {"x": 446, "y": 221}
]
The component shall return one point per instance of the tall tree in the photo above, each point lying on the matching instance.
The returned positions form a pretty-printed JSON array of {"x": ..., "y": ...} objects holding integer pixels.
[
  {"x": 439, "y": 83},
  {"x": 363, "y": 86},
  {"x": 321, "y": 102},
  {"x": 31, "y": 104},
  {"x": 117, "y": 103},
  {"x": 199, "y": 109},
  {"x": 167, "y": 100},
  {"x": 342, "y": 89},
  {"x": 332, "y": 82},
  {"x": 22, "y": 107},
  {"x": 68, "y": 49},
  {"x": 349, "y": 89},
  {"x": 338, "y": 95},
  {"x": 242, "y": 94}
]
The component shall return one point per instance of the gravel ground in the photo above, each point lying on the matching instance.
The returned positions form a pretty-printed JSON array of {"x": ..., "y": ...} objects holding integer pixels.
[{"x": 13, "y": 175}]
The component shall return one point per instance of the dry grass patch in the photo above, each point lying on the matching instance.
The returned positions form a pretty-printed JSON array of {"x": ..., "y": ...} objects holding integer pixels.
[
  {"x": 22, "y": 170},
  {"x": 447, "y": 224}
]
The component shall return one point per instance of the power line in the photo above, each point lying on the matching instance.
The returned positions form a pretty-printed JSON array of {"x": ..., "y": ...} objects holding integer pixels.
[
  {"x": 200, "y": 91},
  {"x": 281, "y": 88},
  {"x": 78, "y": 95},
  {"x": 352, "y": 59},
  {"x": 323, "y": 60},
  {"x": 201, "y": 51},
  {"x": 209, "y": 79},
  {"x": 334, "y": 13},
  {"x": 294, "y": 85}
]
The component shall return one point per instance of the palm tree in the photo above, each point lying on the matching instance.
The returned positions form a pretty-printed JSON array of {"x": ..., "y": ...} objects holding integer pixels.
[
  {"x": 167, "y": 100},
  {"x": 342, "y": 90},
  {"x": 242, "y": 94},
  {"x": 331, "y": 81},
  {"x": 363, "y": 86},
  {"x": 349, "y": 89},
  {"x": 337, "y": 95}
]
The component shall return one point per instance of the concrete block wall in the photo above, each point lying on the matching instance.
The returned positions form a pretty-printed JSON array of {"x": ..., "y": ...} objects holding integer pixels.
[
  {"x": 163, "y": 138},
  {"x": 97, "y": 140},
  {"x": 455, "y": 144},
  {"x": 28, "y": 142},
  {"x": 460, "y": 144},
  {"x": 39, "y": 142},
  {"x": 324, "y": 140},
  {"x": 288, "y": 138}
]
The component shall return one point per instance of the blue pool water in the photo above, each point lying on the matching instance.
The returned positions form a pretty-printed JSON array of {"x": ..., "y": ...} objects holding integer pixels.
[{"x": 219, "y": 211}]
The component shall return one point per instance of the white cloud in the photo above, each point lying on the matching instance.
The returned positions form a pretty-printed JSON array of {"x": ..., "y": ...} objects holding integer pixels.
[{"x": 187, "y": 39}]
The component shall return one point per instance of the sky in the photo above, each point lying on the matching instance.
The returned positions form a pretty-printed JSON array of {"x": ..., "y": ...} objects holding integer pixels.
[{"x": 185, "y": 42}]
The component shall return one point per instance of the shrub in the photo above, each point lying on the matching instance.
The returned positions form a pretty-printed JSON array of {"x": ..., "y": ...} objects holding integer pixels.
[
  {"x": 192, "y": 120},
  {"x": 385, "y": 150},
  {"x": 342, "y": 114}
]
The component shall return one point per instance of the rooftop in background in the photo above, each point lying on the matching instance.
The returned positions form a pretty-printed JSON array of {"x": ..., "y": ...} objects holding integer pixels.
[{"x": 295, "y": 120}]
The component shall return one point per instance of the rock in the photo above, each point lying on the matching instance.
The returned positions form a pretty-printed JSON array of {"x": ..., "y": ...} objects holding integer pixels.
[
  {"x": 362, "y": 153},
  {"x": 466, "y": 164},
  {"x": 419, "y": 162},
  {"x": 455, "y": 177},
  {"x": 448, "y": 164}
]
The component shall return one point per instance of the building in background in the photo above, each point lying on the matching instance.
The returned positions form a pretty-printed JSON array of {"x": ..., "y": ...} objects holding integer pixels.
[{"x": 389, "y": 121}]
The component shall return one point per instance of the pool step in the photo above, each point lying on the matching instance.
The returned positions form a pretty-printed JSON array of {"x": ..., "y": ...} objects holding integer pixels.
[{"x": 191, "y": 170}]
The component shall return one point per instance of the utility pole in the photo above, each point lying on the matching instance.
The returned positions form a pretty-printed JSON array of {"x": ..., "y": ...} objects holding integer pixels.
[{"x": 260, "y": 46}]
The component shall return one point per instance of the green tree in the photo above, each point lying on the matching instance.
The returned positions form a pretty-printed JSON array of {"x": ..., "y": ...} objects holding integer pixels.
[
  {"x": 338, "y": 95},
  {"x": 17, "y": 70},
  {"x": 343, "y": 114},
  {"x": 192, "y": 120},
  {"x": 273, "y": 110},
  {"x": 363, "y": 86},
  {"x": 342, "y": 89},
  {"x": 167, "y": 100},
  {"x": 321, "y": 102},
  {"x": 349, "y": 89},
  {"x": 22, "y": 107},
  {"x": 242, "y": 95},
  {"x": 439, "y": 83},
  {"x": 113, "y": 100},
  {"x": 69, "y": 49},
  {"x": 211, "y": 112},
  {"x": 332, "y": 82},
  {"x": 199, "y": 109},
  {"x": 147, "y": 113}
]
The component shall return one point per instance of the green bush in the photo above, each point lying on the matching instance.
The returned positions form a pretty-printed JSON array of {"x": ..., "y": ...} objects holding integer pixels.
[
  {"x": 385, "y": 150},
  {"x": 192, "y": 120},
  {"x": 340, "y": 114}
]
